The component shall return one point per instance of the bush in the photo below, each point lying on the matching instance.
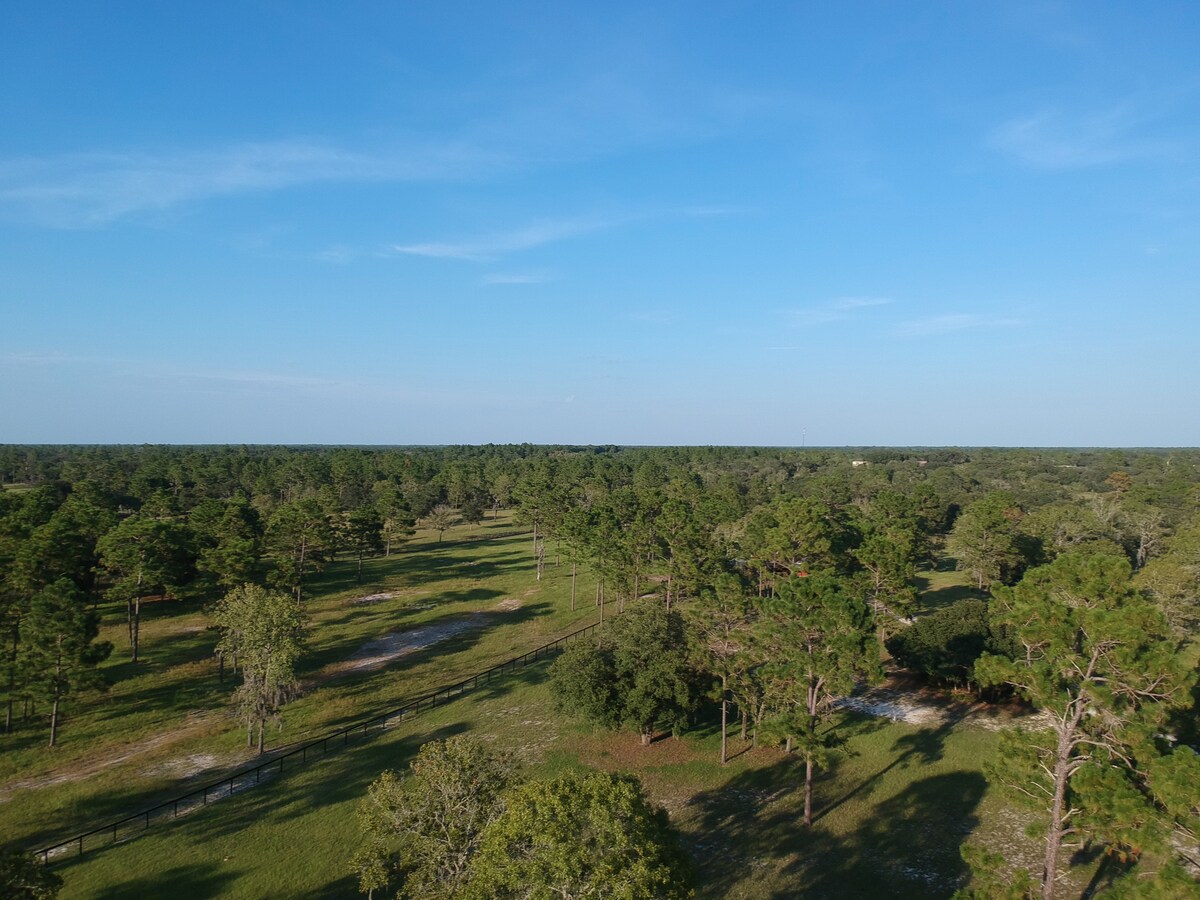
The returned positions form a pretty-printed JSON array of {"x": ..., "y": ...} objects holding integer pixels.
[{"x": 945, "y": 644}]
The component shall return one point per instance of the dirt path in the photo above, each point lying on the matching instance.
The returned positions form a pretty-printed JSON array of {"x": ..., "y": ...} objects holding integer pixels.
[
  {"x": 371, "y": 655},
  {"x": 197, "y": 723}
]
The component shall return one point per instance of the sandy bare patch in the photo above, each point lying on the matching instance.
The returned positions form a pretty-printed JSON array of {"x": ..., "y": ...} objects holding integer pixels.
[
  {"x": 894, "y": 707},
  {"x": 369, "y": 599},
  {"x": 383, "y": 650},
  {"x": 187, "y": 766},
  {"x": 92, "y": 765},
  {"x": 904, "y": 698}
]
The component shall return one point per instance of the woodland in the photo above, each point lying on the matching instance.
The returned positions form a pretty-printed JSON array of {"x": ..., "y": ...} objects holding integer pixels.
[{"x": 770, "y": 619}]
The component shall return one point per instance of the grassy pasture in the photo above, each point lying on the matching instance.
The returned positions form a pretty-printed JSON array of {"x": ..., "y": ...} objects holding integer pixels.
[
  {"x": 892, "y": 812},
  {"x": 164, "y": 724}
]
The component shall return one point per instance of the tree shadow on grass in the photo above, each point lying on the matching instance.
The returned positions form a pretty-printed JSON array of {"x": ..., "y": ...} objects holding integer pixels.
[
  {"x": 919, "y": 748},
  {"x": 345, "y": 779},
  {"x": 199, "y": 881},
  {"x": 907, "y": 845}
]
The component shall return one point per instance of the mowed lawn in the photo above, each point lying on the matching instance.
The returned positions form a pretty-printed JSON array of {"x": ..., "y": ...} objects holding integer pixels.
[{"x": 165, "y": 726}]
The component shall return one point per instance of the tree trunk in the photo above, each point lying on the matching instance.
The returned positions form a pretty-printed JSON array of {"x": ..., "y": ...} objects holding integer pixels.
[
  {"x": 54, "y": 720},
  {"x": 137, "y": 621},
  {"x": 647, "y": 737},
  {"x": 1054, "y": 835},
  {"x": 249, "y": 732},
  {"x": 360, "y": 556},
  {"x": 724, "y": 723},
  {"x": 57, "y": 692},
  {"x": 12, "y": 681},
  {"x": 808, "y": 782},
  {"x": 574, "y": 567},
  {"x": 300, "y": 566},
  {"x": 262, "y": 724},
  {"x": 745, "y": 716}
]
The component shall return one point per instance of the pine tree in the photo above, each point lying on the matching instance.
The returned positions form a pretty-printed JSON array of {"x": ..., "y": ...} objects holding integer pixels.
[
  {"x": 1095, "y": 656},
  {"x": 816, "y": 642},
  {"x": 58, "y": 656}
]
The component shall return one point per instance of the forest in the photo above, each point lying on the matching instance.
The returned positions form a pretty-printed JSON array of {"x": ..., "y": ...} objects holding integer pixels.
[{"x": 774, "y": 624}]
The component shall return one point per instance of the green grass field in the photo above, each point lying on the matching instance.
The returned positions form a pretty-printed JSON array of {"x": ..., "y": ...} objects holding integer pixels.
[
  {"x": 164, "y": 725},
  {"x": 892, "y": 812}
]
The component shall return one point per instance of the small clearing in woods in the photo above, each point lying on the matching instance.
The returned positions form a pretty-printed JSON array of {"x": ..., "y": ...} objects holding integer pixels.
[
  {"x": 903, "y": 698},
  {"x": 383, "y": 650}
]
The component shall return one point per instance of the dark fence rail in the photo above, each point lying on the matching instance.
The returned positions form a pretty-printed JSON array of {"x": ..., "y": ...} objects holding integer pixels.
[{"x": 309, "y": 751}]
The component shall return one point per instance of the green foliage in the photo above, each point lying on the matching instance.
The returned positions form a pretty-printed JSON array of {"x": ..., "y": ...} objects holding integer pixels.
[
  {"x": 423, "y": 831},
  {"x": 640, "y": 676},
  {"x": 585, "y": 684},
  {"x": 1169, "y": 882},
  {"x": 229, "y": 538},
  {"x": 262, "y": 630},
  {"x": 815, "y": 643},
  {"x": 990, "y": 880},
  {"x": 440, "y": 518},
  {"x": 302, "y": 536},
  {"x": 1096, "y": 658},
  {"x": 24, "y": 878},
  {"x": 986, "y": 542},
  {"x": 590, "y": 834},
  {"x": 1173, "y": 579},
  {"x": 143, "y": 555},
  {"x": 57, "y": 653},
  {"x": 946, "y": 643}
]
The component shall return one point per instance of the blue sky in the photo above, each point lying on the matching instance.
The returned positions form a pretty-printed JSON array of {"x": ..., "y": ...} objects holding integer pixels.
[{"x": 741, "y": 223}]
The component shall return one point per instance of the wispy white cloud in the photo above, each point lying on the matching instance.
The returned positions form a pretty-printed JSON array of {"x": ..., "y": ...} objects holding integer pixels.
[
  {"x": 516, "y": 278},
  {"x": 80, "y": 190},
  {"x": 489, "y": 247},
  {"x": 1052, "y": 140},
  {"x": 339, "y": 255},
  {"x": 951, "y": 322},
  {"x": 492, "y": 246},
  {"x": 836, "y": 310},
  {"x": 859, "y": 302}
]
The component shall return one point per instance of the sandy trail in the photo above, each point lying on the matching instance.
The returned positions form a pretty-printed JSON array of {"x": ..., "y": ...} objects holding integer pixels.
[{"x": 197, "y": 723}]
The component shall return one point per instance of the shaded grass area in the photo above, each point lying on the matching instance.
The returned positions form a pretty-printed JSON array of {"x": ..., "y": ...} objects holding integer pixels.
[
  {"x": 944, "y": 585},
  {"x": 169, "y": 713},
  {"x": 892, "y": 812}
]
